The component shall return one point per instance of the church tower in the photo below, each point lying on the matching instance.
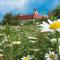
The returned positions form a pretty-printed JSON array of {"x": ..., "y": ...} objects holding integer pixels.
[
  {"x": 36, "y": 15},
  {"x": 35, "y": 12}
]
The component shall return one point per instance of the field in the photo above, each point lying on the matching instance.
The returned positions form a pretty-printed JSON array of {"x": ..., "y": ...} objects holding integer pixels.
[{"x": 15, "y": 41}]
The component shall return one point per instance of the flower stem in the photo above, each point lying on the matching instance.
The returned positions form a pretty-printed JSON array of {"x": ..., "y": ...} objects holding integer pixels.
[{"x": 57, "y": 44}]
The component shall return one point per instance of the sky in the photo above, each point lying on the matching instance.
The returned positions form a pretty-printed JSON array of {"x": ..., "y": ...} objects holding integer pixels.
[{"x": 26, "y": 6}]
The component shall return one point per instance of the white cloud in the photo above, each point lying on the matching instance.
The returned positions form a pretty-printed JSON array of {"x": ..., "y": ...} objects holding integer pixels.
[
  {"x": 18, "y": 4},
  {"x": 23, "y": 5}
]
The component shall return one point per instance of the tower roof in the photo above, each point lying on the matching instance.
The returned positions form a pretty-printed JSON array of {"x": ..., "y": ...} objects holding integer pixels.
[{"x": 35, "y": 9}]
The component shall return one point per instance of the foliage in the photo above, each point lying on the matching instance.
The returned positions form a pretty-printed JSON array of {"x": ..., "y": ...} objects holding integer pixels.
[
  {"x": 55, "y": 12},
  {"x": 53, "y": 18},
  {"x": 9, "y": 18}
]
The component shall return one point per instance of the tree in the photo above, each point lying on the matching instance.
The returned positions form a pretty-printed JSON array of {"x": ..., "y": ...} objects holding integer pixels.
[
  {"x": 55, "y": 13},
  {"x": 8, "y": 18}
]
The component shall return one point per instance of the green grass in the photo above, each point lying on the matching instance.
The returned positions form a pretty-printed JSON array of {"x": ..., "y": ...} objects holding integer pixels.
[{"x": 10, "y": 34}]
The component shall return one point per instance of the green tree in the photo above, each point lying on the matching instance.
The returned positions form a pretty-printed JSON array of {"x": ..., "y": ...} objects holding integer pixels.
[
  {"x": 9, "y": 18},
  {"x": 55, "y": 13}
]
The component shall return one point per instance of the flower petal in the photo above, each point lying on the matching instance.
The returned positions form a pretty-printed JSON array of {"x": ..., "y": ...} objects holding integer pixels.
[
  {"x": 59, "y": 20},
  {"x": 45, "y": 23},
  {"x": 50, "y": 22}
]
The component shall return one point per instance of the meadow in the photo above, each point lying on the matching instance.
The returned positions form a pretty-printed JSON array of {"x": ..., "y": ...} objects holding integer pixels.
[{"x": 15, "y": 41}]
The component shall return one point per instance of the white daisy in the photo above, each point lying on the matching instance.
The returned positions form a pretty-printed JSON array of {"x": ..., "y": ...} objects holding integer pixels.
[
  {"x": 1, "y": 50},
  {"x": 50, "y": 55},
  {"x": 34, "y": 49},
  {"x": 1, "y": 55},
  {"x": 31, "y": 41},
  {"x": 16, "y": 42},
  {"x": 31, "y": 37},
  {"x": 59, "y": 49},
  {"x": 53, "y": 40},
  {"x": 50, "y": 26}
]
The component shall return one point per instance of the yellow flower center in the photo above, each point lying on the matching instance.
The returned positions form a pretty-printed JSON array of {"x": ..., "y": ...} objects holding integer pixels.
[
  {"x": 55, "y": 25},
  {"x": 52, "y": 56}
]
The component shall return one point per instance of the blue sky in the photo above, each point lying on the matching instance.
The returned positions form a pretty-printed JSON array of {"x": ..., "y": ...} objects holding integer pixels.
[{"x": 26, "y": 6}]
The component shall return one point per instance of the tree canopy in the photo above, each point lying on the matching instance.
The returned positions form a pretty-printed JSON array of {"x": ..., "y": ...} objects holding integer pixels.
[
  {"x": 55, "y": 12},
  {"x": 9, "y": 18}
]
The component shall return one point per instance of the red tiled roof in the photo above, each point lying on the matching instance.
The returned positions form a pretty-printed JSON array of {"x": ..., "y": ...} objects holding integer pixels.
[{"x": 25, "y": 17}]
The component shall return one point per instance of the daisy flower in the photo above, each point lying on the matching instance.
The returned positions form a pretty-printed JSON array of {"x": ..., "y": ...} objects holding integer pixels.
[
  {"x": 53, "y": 40},
  {"x": 34, "y": 49},
  {"x": 16, "y": 42},
  {"x": 1, "y": 55},
  {"x": 51, "y": 55},
  {"x": 50, "y": 26},
  {"x": 31, "y": 37},
  {"x": 59, "y": 49}
]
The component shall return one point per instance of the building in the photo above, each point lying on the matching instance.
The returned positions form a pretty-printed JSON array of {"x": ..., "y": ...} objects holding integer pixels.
[
  {"x": 35, "y": 15},
  {"x": 24, "y": 18}
]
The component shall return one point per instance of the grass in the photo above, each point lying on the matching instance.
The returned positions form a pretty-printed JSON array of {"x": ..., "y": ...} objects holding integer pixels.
[{"x": 15, "y": 42}]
